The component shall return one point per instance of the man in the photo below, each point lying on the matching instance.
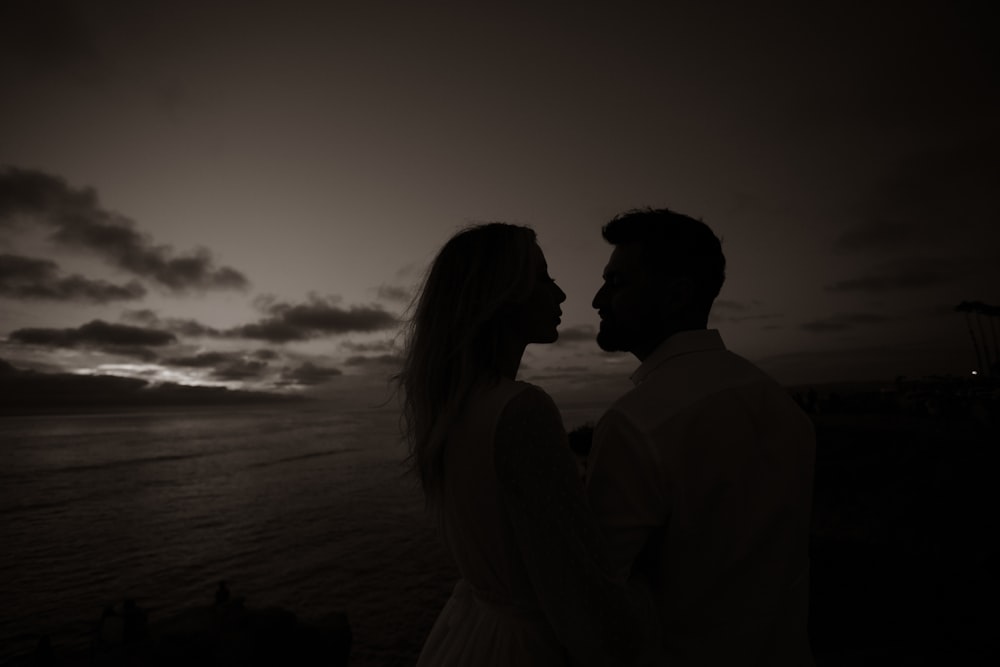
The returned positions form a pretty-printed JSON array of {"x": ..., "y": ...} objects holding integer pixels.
[{"x": 701, "y": 475}]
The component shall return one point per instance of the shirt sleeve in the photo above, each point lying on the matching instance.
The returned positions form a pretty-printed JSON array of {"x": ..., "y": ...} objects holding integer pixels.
[
  {"x": 625, "y": 488},
  {"x": 596, "y": 615}
]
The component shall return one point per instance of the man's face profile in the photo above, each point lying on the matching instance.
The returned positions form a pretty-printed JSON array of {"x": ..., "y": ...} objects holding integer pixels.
[{"x": 625, "y": 302}]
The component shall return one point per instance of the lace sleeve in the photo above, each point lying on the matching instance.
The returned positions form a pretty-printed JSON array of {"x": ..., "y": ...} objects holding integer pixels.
[{"x": 594, "y": 612}]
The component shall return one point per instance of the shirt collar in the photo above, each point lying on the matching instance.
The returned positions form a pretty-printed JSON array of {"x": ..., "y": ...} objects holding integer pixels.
[{"x": 682, "y": 342}]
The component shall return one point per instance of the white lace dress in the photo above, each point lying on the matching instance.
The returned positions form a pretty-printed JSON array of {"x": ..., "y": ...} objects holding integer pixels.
[{"x": 536, "y": 586}]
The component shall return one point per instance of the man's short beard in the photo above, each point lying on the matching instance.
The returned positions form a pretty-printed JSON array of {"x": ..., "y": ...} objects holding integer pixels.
[{"x": 607, "y": 341}]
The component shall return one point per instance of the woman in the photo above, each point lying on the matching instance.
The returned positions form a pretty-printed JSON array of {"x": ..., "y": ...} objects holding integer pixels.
[{"x": 495, "y": 467}]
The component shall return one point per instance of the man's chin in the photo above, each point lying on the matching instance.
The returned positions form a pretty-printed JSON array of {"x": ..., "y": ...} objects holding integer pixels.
[{"x": 608, "y": 342}]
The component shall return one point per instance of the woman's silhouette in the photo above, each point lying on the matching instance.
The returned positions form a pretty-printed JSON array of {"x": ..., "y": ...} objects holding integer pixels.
[{"x": 496, "y": 469}]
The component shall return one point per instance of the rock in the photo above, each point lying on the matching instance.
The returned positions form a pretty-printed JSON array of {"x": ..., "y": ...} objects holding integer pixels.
[
  {"x": 232, "y": 634},
  {"x": 222, "y": 634}
]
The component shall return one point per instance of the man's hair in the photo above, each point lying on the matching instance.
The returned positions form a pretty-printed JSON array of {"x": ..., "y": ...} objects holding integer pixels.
[{"x": 674, "y": 245}]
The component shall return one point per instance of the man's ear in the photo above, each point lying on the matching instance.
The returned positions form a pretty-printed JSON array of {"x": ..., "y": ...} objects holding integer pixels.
[{"x": 676, "y": 294}]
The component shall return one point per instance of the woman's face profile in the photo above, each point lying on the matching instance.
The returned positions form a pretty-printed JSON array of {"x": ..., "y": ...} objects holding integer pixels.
[{"x": 536, "y": 319}]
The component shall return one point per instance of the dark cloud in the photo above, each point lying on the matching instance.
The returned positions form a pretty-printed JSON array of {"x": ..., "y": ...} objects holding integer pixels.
[
  {"x": 722, "y": 306},
  {"x": 274, "y": 331},
  {"x": 284, "y": 323},
  {"x": 577, "y": 334},
  {"x": 265, "y": 354},
  {"x": 728, "y": 304},
  {"x": 240, "y": 369},
  {"x": 80, "y": 222},
  {"x": 99, "y": 335},
  {"x": 144, "y": 316},
  {"x": 96, "y": 332},
  {"x": 191, "y": 328},
  {"x": 394, "y": 293},
  {"x": 31, "y": 278},
  {"x": 374, "y": 346},
  {"x": 843, "y": 322},
  {"x": 200, "y": 360},
  {"x": 374, "y": 360},
  {"x": 180, "y": 326},
  {"x": 313, "y": 319},
  {"x": 741, "y": 309},
  {"x": 227, "y": 366},
  {"x": 16, "y": 268},
  {"x": 907, "y": 274},
  {"x": 310, "y": 374},
  {"x": 753, "y": 318}
]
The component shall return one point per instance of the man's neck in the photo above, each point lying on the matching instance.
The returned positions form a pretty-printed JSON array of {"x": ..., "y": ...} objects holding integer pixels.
[{"x": 644, "y": 351}]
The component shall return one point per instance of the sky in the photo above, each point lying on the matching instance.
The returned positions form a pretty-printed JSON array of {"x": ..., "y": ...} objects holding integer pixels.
[{"x": 245, "y": 194}]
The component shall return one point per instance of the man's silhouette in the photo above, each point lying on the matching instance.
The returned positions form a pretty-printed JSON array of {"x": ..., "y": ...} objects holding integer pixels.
[{"x": 701, "y": 475}]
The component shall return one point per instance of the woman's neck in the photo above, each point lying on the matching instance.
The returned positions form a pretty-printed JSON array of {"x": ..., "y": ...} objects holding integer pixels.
[{"x": 509, "y": 359}]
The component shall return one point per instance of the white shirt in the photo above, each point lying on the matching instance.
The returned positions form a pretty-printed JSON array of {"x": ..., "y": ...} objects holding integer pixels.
[{"x": 701, "y": 479}]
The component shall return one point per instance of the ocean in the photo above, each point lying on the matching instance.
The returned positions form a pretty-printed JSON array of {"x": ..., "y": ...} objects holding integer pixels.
[{"x": 304, "y": 507}]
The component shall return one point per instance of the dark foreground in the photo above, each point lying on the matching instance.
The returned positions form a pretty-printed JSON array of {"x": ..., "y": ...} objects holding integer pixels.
[
  {"x": 904, "y": 565},
  {"x": 225, "y": 631},
  {"x": 904, "y": 556}
]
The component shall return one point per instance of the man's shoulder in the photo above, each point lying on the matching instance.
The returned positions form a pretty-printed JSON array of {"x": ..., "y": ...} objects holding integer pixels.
[{"x": 686, "y": 384}]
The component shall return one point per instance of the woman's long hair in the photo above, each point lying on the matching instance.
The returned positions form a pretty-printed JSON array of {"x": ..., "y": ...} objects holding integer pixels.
[{"x": 453, "y": 337}]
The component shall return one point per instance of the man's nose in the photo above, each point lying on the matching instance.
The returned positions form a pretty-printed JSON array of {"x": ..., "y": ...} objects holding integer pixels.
[{"x": 598, "y": 299}]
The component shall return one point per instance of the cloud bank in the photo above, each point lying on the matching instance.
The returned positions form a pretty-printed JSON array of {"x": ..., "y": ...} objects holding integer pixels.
[
  {"x": 315, "y": 318},
  {"x": 32, "y": 278},
  {"x": 99, "y": 335},
  {"x": 843, "y": 322},
  {"x": 309, "y": 374},
  {"x": 79, "y": 222}
]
